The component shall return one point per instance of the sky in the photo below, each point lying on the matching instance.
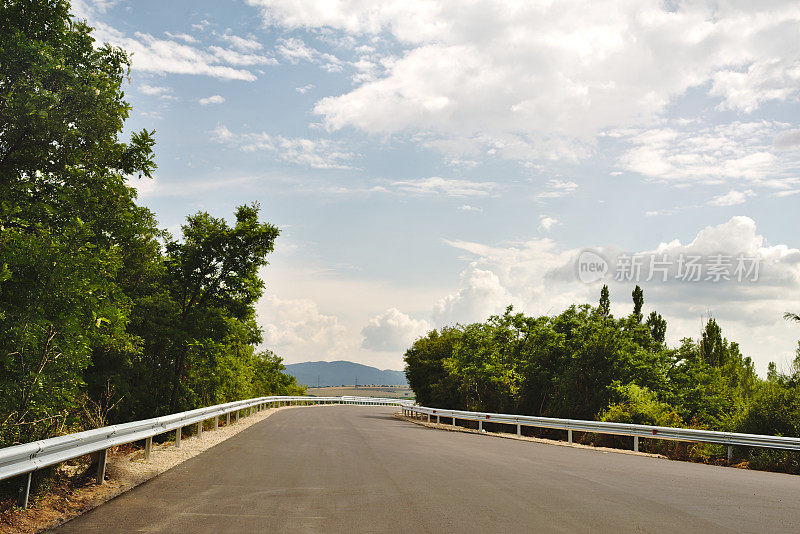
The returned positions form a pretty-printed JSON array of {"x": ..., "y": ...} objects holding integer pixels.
[{"x": 430, "y": 163}]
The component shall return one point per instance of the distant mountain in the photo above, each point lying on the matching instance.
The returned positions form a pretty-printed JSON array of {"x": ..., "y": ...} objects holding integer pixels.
[{"x": 344, "y": 374}]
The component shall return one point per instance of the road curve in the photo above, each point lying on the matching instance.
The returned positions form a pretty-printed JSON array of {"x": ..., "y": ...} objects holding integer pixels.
[{"x": 358, "y": 469}]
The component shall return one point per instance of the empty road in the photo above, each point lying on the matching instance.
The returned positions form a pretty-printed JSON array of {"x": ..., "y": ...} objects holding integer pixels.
[{"x": 358, "y": 469}]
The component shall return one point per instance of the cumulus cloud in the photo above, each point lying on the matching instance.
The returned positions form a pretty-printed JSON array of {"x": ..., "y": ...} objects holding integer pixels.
[
  {"x": 314, "y": 153},
  {"x": 296, "y": 328},
  {"x": 551, "y": 74},
  {"x": 392, "y": 330},
  {"x": 214, "y": 99},
  {"x": 480, "y": 295}
]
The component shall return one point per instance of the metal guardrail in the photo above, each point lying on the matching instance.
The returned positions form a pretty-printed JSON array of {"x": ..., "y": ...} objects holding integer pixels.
[
  {"x": 26, "y": 458},
  {"x": 730, "y": 439}
]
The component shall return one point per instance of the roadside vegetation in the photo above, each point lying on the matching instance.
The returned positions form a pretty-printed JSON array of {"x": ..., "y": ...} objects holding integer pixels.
[
  {"x": 105, "y": 317},
  {"x": 585, "y": 363}
]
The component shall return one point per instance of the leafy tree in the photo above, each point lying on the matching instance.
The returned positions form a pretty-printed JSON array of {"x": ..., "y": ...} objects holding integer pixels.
[
  {"x": 638, "y": 302},
  {"x": 425, "y": 371},
  {"x": 604, "y": 309},
  {"x": 97, "y": 305},
  {"x": 201, "y": 312},
  {"x": 66, "y": 214},
  {"x": 657, "y": 326}
]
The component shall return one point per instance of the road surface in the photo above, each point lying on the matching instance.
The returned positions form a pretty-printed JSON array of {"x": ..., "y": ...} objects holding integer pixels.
[{"x": 355, "y": 469}]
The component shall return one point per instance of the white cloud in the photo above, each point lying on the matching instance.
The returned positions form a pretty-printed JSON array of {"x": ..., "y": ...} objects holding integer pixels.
[
  {"x": 558, "y": 188},
  {"x": 152, "y": 90},
  {"x": 214, "y": 99},
  {"x": 240, "y": 59},
  {"x": 145, "y": 187},
  {"x": 467, "y": 207},
  {"x": 305, "y": 88},
  {"x": 244, "y": 44},
  {"x": 740, "y": 151},
  {"x": 392, "y": 330},
  {"x": 163, "y": 56},
  {"x": 787, "y": 139},
  {"x": 436, "y": 185},
  {"x": 295, "y": 328},
  {"x": 480, "y": 295},
  {"x": 178, "y": 54},
  {"x": 296, "y": 50},
  {"x": 185, "y": 37},
  {"x": 547, "y": 223},
  {"x": 556, "y": 73},
  {"x": 731, "y": 198},
  {"x": 315, "y": 153}
]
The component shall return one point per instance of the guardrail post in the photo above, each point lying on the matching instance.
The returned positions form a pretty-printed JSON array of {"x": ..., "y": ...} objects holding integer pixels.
[
  {"x": 569, "y": 436},
  {"x": 25, "y": 491},
  {"x": 480, "y": 425},
  {"x": 519, "y": 430},
  {"x": 199, "y": 429},
  {"x": 101, "y": 465},
  {"x": 635, "y": 443},
  {"x": 438, "y": 421},
  {"x": 148, "y": 447},
  {"x": 227, "y": 418},
  {"x": 216, "y": 422},
  {"x": 178, "y": 432},
  {"x": 730, "y": 453},
  {"x": 454, "y": 422}
]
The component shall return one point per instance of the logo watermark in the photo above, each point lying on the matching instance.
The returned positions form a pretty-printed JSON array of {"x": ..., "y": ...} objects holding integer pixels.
[{"x": 592, "y": 266}]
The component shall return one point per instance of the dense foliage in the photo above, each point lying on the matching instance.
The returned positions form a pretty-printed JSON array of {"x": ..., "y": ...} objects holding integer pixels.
[
  {"x": 104, "y": 317},
  {"x": 586, "y": 364}
]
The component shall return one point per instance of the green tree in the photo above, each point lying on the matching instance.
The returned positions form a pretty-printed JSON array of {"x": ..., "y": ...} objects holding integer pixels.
[
  {"x": 66, "y": 214},
  {"x": 212, "y": 281},
  {"x": 604, "y": 308},
  {"x": 657, "y": 326},
  {"x": 638, "y": 302}
]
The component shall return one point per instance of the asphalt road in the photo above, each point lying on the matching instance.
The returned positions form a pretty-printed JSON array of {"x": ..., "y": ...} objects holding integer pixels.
[{"x": 358, "y": 469}]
